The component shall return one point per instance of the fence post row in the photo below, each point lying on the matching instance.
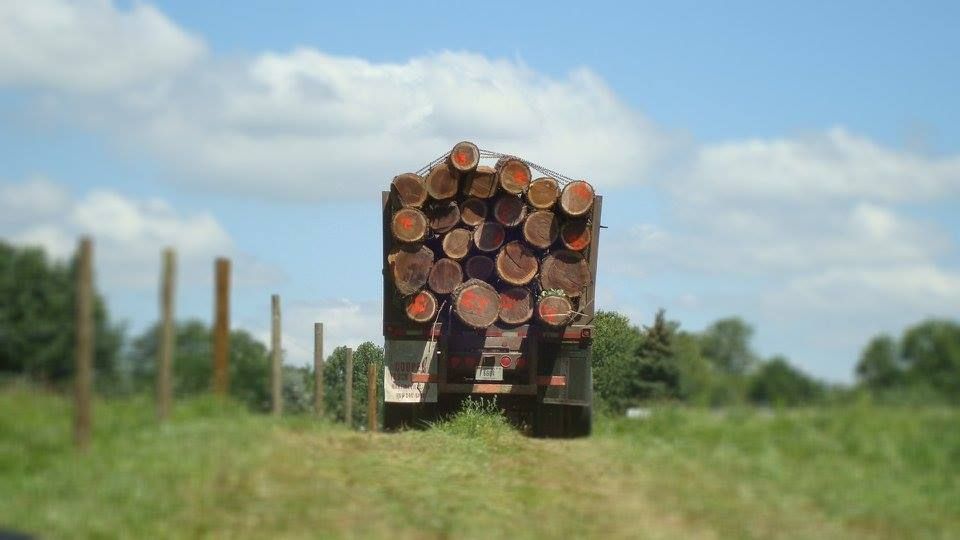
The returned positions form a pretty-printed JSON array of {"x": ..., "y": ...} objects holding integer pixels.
[
  {"x": 276, "y": 357},
  {"x": 83, "y": 414},
  {"x": 221, "y": 330},
  {"x": 167, "y": 335}
]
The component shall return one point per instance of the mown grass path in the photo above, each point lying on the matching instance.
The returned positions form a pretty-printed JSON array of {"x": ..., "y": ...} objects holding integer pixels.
[{"x": 217, "y": 471}]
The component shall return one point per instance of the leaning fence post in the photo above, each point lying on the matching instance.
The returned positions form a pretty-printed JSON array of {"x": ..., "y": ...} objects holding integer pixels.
[
  {"x": 83, "y": 414},
  {"x": 348, "y": 389},
  {"x": 318, "y": 368},
  {"x": 371, "y": 397},
  {"x": 167, "y": 336},
  {"x": 276, "y": 357},
  {"x": 221, "y": 329}
]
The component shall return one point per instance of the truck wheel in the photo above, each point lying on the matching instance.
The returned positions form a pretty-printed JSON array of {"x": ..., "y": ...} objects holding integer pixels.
[{"x": 579, "y": 421}]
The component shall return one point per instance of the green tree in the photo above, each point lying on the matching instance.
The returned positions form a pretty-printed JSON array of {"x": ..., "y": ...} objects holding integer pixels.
[
  {"x": 37, "y": 320},
  {"x": 879, "y": 367},
  {"x": 726, "y": 343},
  {"x": 776, "y": 382},
  {"x": 334, "y": 382},
  {"x": 931, "y": 354}
]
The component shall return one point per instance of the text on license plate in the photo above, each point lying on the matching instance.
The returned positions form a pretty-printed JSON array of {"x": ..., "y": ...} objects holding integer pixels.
[{"x": 489, "y": 373}]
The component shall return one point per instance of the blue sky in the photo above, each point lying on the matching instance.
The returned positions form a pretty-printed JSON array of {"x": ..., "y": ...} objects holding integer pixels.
[{"x": 798, "y": 166}]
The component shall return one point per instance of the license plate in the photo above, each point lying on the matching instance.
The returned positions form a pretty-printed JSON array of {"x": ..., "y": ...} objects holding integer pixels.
[{"x": 489, "y": 373}]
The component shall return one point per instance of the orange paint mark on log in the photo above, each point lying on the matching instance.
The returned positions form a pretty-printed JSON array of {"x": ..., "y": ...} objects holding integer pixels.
[
  {"x": 583, "y": 191},
  {"x": 577, "y": 239},
  {"x": 521, "y": 177},
  {"x": 507, "y": 301},
  {"x": 419, "y": 305},
  {"x": 406, "y": 222},
  {"x": 471, "y": 301},
  {"x": 461, "y": 157}
]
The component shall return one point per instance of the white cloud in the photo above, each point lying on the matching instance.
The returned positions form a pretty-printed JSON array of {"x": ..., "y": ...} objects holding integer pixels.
[{"x": 90, "y": 46}]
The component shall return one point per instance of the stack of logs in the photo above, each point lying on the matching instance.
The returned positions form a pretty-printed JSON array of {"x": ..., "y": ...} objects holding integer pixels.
[{"x": 496, "y": 242}]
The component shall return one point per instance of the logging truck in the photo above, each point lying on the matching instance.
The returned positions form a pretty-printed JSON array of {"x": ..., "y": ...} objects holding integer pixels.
[{"x": 489, "y": 275}]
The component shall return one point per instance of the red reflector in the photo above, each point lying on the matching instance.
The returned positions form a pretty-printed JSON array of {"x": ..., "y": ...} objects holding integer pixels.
[
  {"x": 454, "y": 361},
  {"x": 521, "y": 362},
  {"x": 505, "y": 361}
]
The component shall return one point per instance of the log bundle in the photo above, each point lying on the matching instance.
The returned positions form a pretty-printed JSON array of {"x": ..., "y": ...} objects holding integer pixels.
[{"x": 494, "y": 243}]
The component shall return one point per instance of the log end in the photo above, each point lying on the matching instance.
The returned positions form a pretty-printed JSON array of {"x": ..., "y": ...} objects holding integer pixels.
[
  {"x": 555, "y": 310},
  {"x": 543, "y": 193},
  {"x": 409, "y": 189},
  {"x": 456, "y": 243},
  {"x": 409, "y": 225},
  {"x": 481, "y": 183},
  {"x": 445, "y": 276},
  {"x": 473, "y": 211},
  {"x": 476, "y": 304},
  {"x": 516, "y": 264},
  {"x": 509, "y": 210},
  {"x": 489, "y": 236},
  {"x": 480, "y": 267},
  {"x": 513, "y": 175},
  {"x": 576, "y": 199},
  {"x": 465, "y": 157},
  {"x": 576, "y": 234},
  {"x": 442, "y": 182},
  {"x": 541, "y": 229},
  {"x": 516, "y": 305},
  {"x": 421, "y": 307}
]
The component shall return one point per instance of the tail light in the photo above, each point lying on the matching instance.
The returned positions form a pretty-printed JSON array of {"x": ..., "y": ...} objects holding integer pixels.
[
  {"x": 505, "y": 361},
  {"x": 521, "y": 362}
]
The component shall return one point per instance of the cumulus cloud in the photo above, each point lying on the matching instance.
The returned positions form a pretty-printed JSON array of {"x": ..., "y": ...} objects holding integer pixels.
[{"x": 90, "y": 46}]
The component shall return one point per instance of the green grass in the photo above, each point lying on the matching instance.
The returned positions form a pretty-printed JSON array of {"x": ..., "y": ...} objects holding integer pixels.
[{"x": 219, "y": 471}]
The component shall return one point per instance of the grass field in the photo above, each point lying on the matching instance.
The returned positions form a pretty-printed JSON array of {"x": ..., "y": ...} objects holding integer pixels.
[{"x": 218, "y": 471}]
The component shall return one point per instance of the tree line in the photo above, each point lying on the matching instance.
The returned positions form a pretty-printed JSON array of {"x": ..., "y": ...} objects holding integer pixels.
[{"x": 632, "y": 364}]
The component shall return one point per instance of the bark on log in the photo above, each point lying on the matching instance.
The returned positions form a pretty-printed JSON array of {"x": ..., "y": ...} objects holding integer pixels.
[
  {"x": 516, "y": 305},
  {"x": 445, "y": 276},
  {"x": 476, "y": 303},
  {"x": 516, "y": 264},
  {"x": 489, "y": 236},
  {"x": 541, "y": 229},
  {"x": 543, "y": 193},
  {"x": 509, "y": 210},
  {"x": 410, "y": 266},
  {"x": 481, "y": 183},
  {"x": 442, "y": 182},
  {"x": 409, "y": 225},
  {"x": 421, "y": 307},
  {"x": 513, "y": 175},
  {"x": 464, "y": 157},
  {"x": 576, "y": 199},
  {"x": 565, "y": 270},
  {"x": 555, "y": 310},
  {"x": 576, "y": 234},
  {"x": 479, "y": 267},
  {"x": 473, "y": 211},
  {"x": 410, "y": 190},
  {"x": 443, "y": 216},
  {"x": 456, "y": 243}
]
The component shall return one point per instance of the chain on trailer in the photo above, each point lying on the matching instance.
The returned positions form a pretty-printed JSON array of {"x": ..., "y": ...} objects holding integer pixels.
[{"x": 562, "y": 179}]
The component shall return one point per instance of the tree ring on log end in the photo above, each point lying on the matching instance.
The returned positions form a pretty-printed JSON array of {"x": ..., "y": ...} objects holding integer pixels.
[
  {"x": 442, "y": 216},
  {"x": 410, "y": 266},
  {"x": 489, "y": 236},
  {"x": 421, "y": 307},
  {"x": 509, "y": 210},
  {"x": 543, "y": 193},
  {"x": 576, "y": 234},
  {"x": 513, "y": 175},
  {"x": 442, "y": 182},
  {"x": 541, "y": 229},
  {"x": 516, "y": 264},
  {"x": 516, "y": 305},
  {"x": 408, "y": 225},
  {"x": 445, "y": 276},
  {"x": 456, "y": 243},
  {"x": 555, "y": 310},
  {"x": 476, "y": 303},
  {"x": 565, "y": 270},
  {"x": 576, "y": 199},
  {"x": 481, "y": 183},
  {"x": 464, "y": 157},
  {"x": 473, "y": 211},
  {"x": 410, "y": 190}
]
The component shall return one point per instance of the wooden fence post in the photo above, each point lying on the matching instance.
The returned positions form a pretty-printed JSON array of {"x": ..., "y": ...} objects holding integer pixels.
[
  {"x": 372, "y": 397},
  {"x": 348, "y": 389},
  {"x": 83, "y": 415},
  {"x": 276, "y": 356},
  {"x": 318, "y": 368},
  {"x": 167, "y": 336},
  {"x": 221, "y": 329}
]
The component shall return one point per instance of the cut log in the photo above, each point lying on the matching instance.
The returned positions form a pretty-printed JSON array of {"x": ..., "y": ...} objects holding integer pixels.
[
  {"x": 410, "y": 266},
  {"x": 421, "y": 307},
  {"x": 473, "y": 211},
  {"x": 456, "y": 243},
  {"x": 555, "y": 310},
  {"x": 476, "y": 303},
  {"x": 409, "y": 225},
  {"x": 516, "y": 264},
  {"x": 516, "y": 305},
  {"x": 576, "y": 234},
  {"x": 543, "y": 193},
  {"x": 410, "y": 190},
  {"x": 513, "y": 175},
  {"x": 489, "y": 236},
  {"x": 443, "y": 216},
  {"x": 565, "y": 270},
  {"x": 576, "y": 199},
  {"x": 481, "y": 183},
  {"x": 445, "y": 276},
  {"x": 442, "y": 182},
  {"x": 509, "y": 210},
  {"x": 479, "y": 267},
  {"x": 541, "y": 228},
  {"x": 464, "y": 157}
]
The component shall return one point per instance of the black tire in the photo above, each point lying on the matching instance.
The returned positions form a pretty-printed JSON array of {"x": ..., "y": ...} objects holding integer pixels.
[{"x": 580, "y": 422}]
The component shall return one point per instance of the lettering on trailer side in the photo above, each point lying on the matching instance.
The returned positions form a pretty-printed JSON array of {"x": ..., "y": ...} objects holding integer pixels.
[{"x": 401, "y": 359}]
